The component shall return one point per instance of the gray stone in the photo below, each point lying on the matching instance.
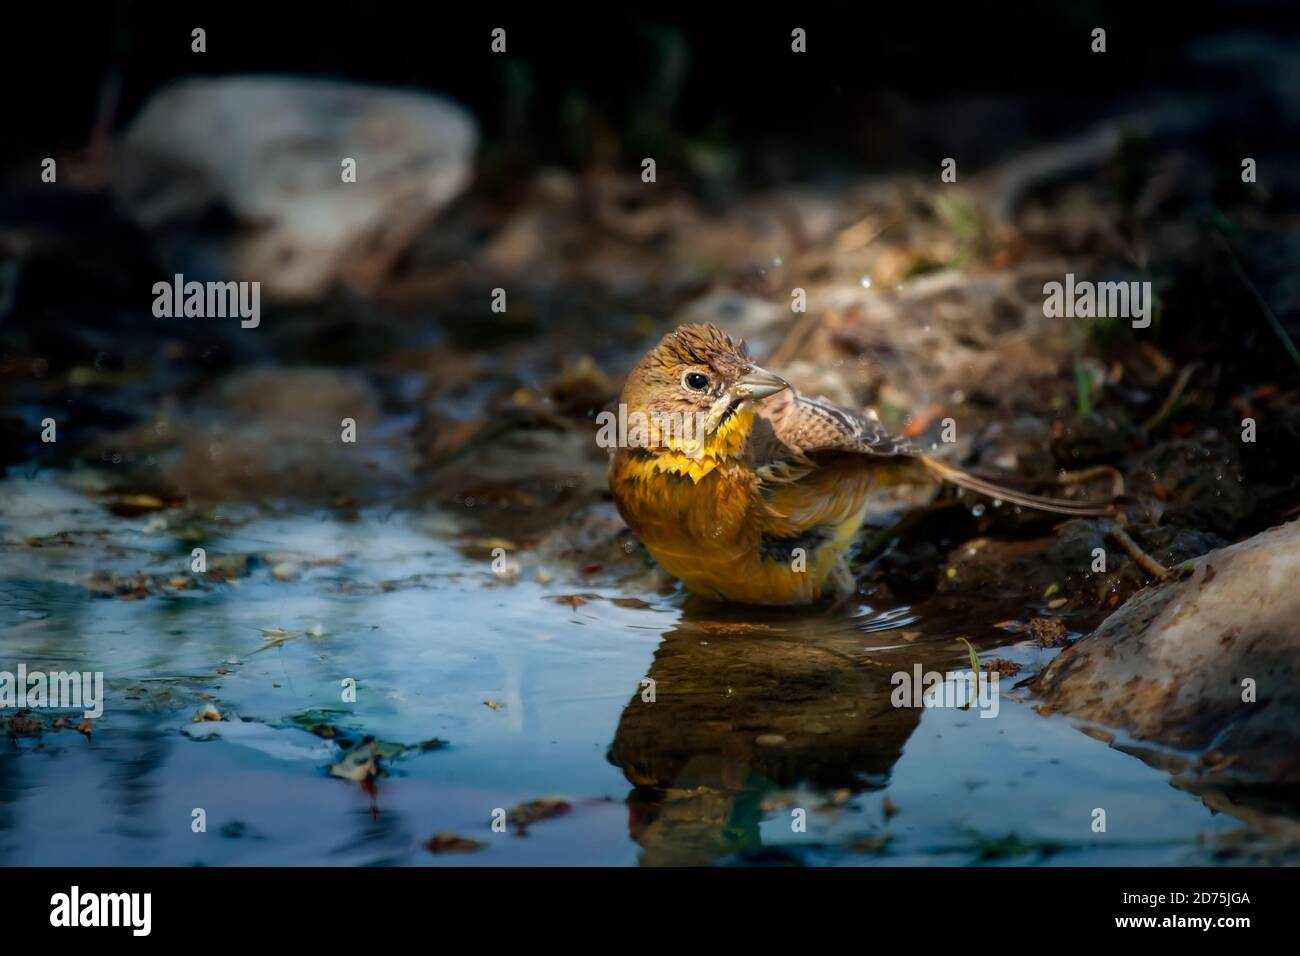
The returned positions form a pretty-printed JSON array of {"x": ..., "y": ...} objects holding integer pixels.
[{"x": 1169, "y": 666}]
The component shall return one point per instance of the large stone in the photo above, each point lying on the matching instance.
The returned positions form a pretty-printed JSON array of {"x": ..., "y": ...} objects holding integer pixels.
[
  {"x": 241, "y": 178},
  {"x": 1173, "y": 664}
]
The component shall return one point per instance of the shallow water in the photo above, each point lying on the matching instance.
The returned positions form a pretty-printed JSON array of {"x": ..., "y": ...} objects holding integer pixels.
[{"x": 759, "y": 721}]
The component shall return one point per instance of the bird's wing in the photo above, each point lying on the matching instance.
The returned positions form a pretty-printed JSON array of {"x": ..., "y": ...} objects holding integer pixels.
[
  {"x": 808, "y": 453},
  {"x": 794, "y": 436},
  {"x": 790, "y": 427}
]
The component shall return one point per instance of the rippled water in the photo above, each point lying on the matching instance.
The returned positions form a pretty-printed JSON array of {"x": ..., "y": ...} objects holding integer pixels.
[{"x": 759, "y": 721}]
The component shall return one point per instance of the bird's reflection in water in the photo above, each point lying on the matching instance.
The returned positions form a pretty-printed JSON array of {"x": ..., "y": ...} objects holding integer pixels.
[{"x": 744, "y": 706}]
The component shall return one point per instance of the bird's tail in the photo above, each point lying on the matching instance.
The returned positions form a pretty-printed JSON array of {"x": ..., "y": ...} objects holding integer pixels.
[{"x": 1061, "y": 506}]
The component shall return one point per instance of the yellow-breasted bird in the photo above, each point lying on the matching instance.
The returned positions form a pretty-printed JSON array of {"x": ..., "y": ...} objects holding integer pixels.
[{"x": 762, "y": 505}]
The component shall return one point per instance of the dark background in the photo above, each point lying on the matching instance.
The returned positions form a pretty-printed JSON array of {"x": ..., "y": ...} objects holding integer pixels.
[
  {"x": 884, "y": 89},
  {"x": 677, "y": 71}
]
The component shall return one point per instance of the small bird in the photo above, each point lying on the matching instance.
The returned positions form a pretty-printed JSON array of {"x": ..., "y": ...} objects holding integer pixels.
[{"x": 760, "y": 503}]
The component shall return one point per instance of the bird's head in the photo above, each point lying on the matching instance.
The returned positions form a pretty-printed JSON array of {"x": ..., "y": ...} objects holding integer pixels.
[{"x": 697, "y": 377}]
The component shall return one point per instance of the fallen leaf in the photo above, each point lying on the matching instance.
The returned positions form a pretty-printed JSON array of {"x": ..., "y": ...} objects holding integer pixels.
[
  {"x": 1048, "y": 631},
  {"x": 1002, "y": 667},
  {"x": 129, "y": 506},
  {"x": 526, "y": 814},
  {"x": 451, "y": 843},
  {"x": 278, "y": 633},
  {"x": 360, "y": 763},
  {"x": 917, "y": 424}
]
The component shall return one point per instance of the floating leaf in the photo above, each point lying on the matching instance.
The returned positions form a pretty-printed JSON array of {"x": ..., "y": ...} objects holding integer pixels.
[
  {"x": 451, "y": 843},
  {"x": 278, "y": 633},
  {"x": 526, "y": 814},
  {"x": 129, "y": 506},
  {"x": 360, "y": 763}
]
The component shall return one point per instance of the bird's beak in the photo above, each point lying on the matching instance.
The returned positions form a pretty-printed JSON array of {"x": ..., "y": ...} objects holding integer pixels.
[{"x": 758, "y": 383}]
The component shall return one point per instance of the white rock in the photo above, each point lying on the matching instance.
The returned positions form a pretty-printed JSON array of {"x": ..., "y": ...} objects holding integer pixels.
[{"x": 241, "y": 177}]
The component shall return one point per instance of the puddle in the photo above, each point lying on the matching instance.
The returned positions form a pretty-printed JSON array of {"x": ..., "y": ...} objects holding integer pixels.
[{"x": 770, "y": 737}]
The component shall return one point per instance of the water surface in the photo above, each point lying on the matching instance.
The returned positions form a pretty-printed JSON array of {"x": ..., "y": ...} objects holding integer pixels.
[{"x": 771, "y": 736}]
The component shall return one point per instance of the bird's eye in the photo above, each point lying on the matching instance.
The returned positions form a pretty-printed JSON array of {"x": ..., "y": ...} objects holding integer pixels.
[{"x": 696, "y": 381}]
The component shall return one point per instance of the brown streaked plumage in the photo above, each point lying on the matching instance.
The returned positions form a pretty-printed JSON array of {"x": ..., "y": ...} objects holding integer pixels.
[{"x": 762, "y": 510}]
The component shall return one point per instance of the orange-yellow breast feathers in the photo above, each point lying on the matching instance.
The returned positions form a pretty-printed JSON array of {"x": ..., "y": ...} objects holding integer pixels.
[{"x": 709, "y": 520}]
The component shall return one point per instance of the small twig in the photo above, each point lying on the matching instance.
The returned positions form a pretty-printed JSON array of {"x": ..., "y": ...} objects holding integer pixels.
[
  {"x": 1148, "y": 563},
  {"x": 1084, "y": 475},
  {"x": 1165, "y": 410}
]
